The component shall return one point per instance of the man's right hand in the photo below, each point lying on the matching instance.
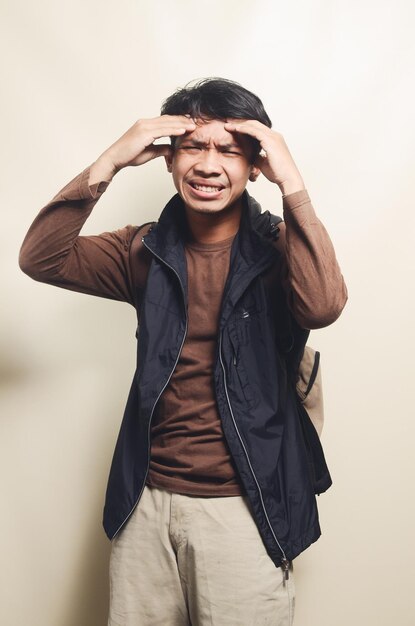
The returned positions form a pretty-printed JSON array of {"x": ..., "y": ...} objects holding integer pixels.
[{"x": 137, "y": 146}]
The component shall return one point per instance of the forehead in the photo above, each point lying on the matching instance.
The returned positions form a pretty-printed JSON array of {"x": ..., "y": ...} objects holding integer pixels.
[{"x": 213, "y": 132}]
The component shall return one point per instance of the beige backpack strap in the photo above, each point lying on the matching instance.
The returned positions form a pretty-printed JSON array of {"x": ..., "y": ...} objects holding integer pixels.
[{"x": 309, "y": 387}]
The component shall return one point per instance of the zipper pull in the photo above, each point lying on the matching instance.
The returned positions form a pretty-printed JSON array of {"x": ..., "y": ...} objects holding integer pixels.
[{"x": 285, "y": 565}]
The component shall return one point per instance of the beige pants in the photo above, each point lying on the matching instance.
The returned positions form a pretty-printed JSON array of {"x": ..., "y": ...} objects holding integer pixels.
[{"x": 185, "y": 560}]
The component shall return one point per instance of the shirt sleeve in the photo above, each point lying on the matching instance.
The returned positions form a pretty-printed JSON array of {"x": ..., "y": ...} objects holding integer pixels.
[
  {"x": 53, "y": 252},
  {"x": 311, "y": 275}
]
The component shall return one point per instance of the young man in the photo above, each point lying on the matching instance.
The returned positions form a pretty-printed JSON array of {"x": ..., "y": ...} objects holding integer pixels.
[{"x": 210, "y": 495}]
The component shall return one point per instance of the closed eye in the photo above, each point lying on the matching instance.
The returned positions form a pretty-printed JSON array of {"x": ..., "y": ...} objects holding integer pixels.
[
  {"x": 190, "y": 148},
  {"x": 226, "y": 151}
]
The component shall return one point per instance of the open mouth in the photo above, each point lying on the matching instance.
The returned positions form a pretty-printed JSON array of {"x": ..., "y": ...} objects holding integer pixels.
[{"x": 206, "y": 188}]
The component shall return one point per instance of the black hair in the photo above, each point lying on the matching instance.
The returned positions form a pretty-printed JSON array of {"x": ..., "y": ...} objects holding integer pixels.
[{"x": 216, "y": 99}]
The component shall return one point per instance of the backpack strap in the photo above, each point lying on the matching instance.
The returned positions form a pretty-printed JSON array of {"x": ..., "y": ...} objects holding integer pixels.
[
  {"x": 266, "y": 224},
  {"x": 313, "y": 374}
]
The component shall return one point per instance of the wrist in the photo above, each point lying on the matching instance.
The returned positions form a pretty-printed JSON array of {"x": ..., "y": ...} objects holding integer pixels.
[
  {"x": 291, "y": 186},
  {"x": 101, "y": 170}
]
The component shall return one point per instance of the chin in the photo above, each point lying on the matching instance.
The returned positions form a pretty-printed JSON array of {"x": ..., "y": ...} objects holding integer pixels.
[
  {"x": 207, "y": 210},
  {"x": 210, "y": 209}
]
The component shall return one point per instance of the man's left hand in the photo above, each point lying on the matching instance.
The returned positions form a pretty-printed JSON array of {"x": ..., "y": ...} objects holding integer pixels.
[{"x": 275, "y": 162}]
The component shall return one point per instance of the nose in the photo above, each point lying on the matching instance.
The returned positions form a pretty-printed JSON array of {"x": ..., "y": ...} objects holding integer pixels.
[{"x": 208, "y": 163}]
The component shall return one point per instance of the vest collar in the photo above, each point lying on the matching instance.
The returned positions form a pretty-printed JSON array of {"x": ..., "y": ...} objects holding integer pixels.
[
  {"x": 171, "y": 230},
  {"x": 251, "y": 253}
]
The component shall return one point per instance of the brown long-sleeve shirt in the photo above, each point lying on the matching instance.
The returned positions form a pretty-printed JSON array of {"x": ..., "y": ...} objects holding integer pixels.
[{"x": 188, "y": 453}]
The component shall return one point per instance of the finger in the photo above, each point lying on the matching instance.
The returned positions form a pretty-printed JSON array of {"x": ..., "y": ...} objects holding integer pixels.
[
  {"x": 260, "y": 161},
  {"x": 179, "y": 120},
  {"x": 247, "y": 128},
  {"x": 169, "y": 130},
  {"x": 242, "y": 123},
  {"x": 181, "y": 131},
  {"x": 153, "y": 151},
  {"x": 160, "y": 133},
  {"x": 160, "y": 150},
  {"x": 164, "y": 124}
]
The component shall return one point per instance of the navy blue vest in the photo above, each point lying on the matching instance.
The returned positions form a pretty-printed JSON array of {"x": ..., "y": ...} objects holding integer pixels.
[{"x": 258, "y": 349}]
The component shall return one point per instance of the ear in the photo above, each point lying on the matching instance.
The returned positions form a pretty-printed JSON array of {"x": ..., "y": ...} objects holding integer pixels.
[
  {"x": 255, "y": 172},
  {"x": 169, "y": 161}
]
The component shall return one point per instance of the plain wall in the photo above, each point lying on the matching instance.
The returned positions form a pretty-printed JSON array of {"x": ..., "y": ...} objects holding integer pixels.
[{"x": 337, "y": 80}]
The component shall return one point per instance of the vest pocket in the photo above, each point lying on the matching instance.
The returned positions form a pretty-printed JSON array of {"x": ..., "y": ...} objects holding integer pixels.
[{"x": 239, "y": 371}]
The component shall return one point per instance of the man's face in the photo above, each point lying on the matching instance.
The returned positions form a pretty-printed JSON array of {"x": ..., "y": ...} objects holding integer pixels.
[{"x": 211, "y": 167}]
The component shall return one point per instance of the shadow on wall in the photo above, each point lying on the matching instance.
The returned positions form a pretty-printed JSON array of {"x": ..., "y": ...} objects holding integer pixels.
[
  {"x": 88, "y": 591},
  {"x": 60, "y": 430}
]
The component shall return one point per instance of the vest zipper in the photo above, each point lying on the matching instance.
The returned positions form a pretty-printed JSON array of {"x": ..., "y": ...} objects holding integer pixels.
[
  {"x": 165, "y": 385},
  {"x": 285, "y": 563}
]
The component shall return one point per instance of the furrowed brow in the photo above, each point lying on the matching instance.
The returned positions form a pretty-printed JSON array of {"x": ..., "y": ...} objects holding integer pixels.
[
  {"x": 197, "y": 143},
  {"x": 194, "y": 142}
]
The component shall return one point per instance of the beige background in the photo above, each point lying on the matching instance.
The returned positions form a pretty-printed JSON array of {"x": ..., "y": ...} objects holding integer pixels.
[{"x": 337, "y": 80}]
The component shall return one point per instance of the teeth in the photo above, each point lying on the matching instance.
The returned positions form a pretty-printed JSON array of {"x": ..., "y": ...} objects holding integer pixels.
[{"x": 206, "y": 189}]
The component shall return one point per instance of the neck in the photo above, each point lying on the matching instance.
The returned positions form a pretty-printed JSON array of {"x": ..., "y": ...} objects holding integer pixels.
[{"x": 212, "y": 227}]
